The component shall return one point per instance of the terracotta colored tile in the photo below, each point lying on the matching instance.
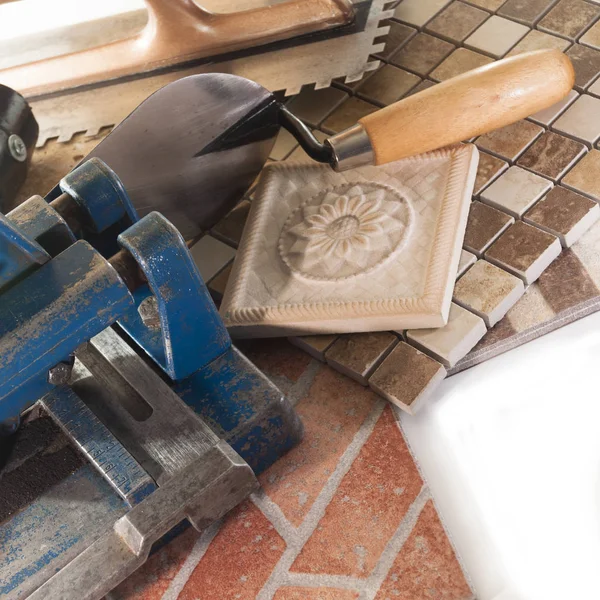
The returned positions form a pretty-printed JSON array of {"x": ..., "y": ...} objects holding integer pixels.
[
  {"x": 550, "y": 114},
  {"x": 538, "y": 40},
  {"x": 569, "y": 18},
  {"x": 321, "y": 593},
  {"x": 524, "y": 11},
  {"x": 484, "y": 226},
  {"x": 210, "y": 256},
  {"x": 315, "y": 345},
  {"x": 510, "y": 141},
  {"x": 467, "y": 260},
  {"x": 490, "y": 167},
  {"x": 496, "y": 36},
  {"x": 368, "y": 506},
  {"x": 584, "y": 177},
  {"x": 153, "y": 578},
  {"x": 488, "y": 291},
  {"x": 457, "y": 21},
  {"x": 524, "y": 251},
  {"x": 516, "y": 191},
  {"x": 239, "y": 559},
  {"x": 586, "y": 62},
  {"x": 426, "y": 567},
  {"x": 348, "y": 114},
  {"x": 332, "y": 412},
  {"x": 551, "y": 155},
  {"x": 407, "y": 377},
  {"x": 358, "y": 354},
  {"x": 566, "y": 283},
  {"x": 398, "y": 35},
  {"x": 313, "y": 106},
  {"x": 460, "y": 61},
  {"x": 422, "y": 54},
  {"x": 216, "y": 286},
  {"x": 491, "y": 5},
  {"x": 564, "y": 214},
  {"x": 418, "y": 12},
  {"x": 387, "y": 85},
  {"x": 581, "y": 120},
  {"x": 230, "y": 229}
]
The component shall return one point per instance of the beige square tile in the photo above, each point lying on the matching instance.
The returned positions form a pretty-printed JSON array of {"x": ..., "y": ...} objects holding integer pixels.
[
  {"x": 460, "y": 61},
  {"x": 230, "y": 228},
  {"x": 581, "y": 120},
  {"x": 467, "y": 260},
  {"x": 488, "y": 291},
  {"x": 418, "y": 12},
  {"x": 490, "y": 168},
  {"x": 592, "y": 36},
  {"x": 210, "y": 256},
  {"x": 550, "y": 114},
  {"x": 387, "y": 85},
  {"x": 511, "y": 141},
  {"x": 357, "y": 355},
  {"x": 452, "y": 342},
  {"x": 584, "y": 177},
  {"x": 315, "y": 345},
  {"x": 347, "y": 114},
  {"x": 314, "y": 106},
  {"x": 524, "y": 11},
  {"x": 496, "y": 36},
  {"x": 422, "y": 54},
  {"x": 538, "y": 40},
  {"x": 516, "y": 191},
  {"x": 457, "y": 21},
  {"x": 569, "y": 18},
  {"x": 284, "y": 145},
  {"x": 407, "y": 377},
  {"x": 490, "y": 5}
]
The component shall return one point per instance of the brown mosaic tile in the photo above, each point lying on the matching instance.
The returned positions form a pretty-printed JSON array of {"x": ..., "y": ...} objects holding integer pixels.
[
  {"x": 216, "y": 286},
  {"x": 488, "y": 291},
  {"x": 425, "y": 84},
  {"x": 313, "y": 106},
  {"x": 358, "y": 354},
  {"x": 538, "y": 40},
  {"x": 502, "y": 331},
  {"x": 315, "y": 345},
  {"x": 422, "y": 54},
  {"x": 230, "y": 229},
  {"x": 459, "y": 62},
  {"x": 510, "y": 141},
  {"x": 347, "y": 115},
  {"x": 584, "y": 177},
  {"x": 551, "y": 155},
  {"x": 484, "y": 226},
  {"x": 586, "y": 62},
  {"x": 488, "y": 169},
  {"x": 564, "y": 214},
  {"x": 407, "y": 377},
  {"x": 398, "y": 35},
  {"x": 457, "y": 21},
  {"x": 569, "y": 18},
  {"x": 491, "y": 5},
  {"x": 524, "y": 11},
  {"x": 387, "y": 85},
  {"x": 524, "y": 251}
]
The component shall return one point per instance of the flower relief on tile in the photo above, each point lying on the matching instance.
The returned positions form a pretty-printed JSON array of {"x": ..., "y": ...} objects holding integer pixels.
[{"x": 345, "y": 231}]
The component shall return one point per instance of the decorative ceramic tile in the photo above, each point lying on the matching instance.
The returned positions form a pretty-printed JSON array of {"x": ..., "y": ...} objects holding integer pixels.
[
  {"x": 314, "y": 106},
  {"x": 284, "y": 144},
  {"x": 363, "y": 250},
  {"x": 496, "y": 36},
  {"x": 217, "y": 285},
  {"x": 422, "y": 54},
  {"x": 387, "y": 85},
  {"x": 586, "y": 62},
  {"x": 581, "y": 120},
  {"x": 488, "y": 291},
  {"x": 569, "y": 18},
  {"x": 459, "y": 62},
  {"x": 457, "y": 21},
  {"x": 210, "y": 256},
  {"x": 524, "y": 250},
  {"x": 230, "y": 229},
  {"x": 407, "y": 377},
  {"x": 348, "y": 114},
  {"x": 357, "y": 355},
  {"x": 484, "y": 226},
  {"x": 524, "y": 11},
  {"x": 516, "y": 191},
  {"x": 538, "y": 40},
  {"x": 584, "y": 177},
  {"x": 552, "y": 155},
  {"x": 467, "y": 260},
  {"x": 315, "y": 345},
  {"x": 398, "y": 35},
  {"x": 510, "y": 141},
  {"x": 418, "y": 12},
  {"x": 452, "y": 342},
  {"x": 490, "y": 167},
  {"x": 564, "y": 214},
  {"x": 550, "y": 114}
]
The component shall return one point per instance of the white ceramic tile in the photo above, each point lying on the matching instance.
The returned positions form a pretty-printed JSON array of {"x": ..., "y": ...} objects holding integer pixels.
[
  {"x": 550, "y": 114},
  {"x": 418, "y": 12},
  {"x": 210, "y": 256},
  {"x": 581, "y": 120},
  {"x": 516, "y": 191},
  {"x": 496, "y": 36},
  {"x": 467, "y": 260}
]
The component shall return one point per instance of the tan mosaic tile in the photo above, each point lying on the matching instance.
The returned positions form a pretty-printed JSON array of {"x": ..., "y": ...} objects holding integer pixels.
[
  {"x": 565, "y": 214},
  {"x": 524, "y": 11},
  {"x": 467, "y": 260},
  {"x": 358, "y": 354},
  {"x": 496, "y": 36},
  {"x": 524, "y": 250},
  {"x": 230, "y": 229},
  {"x": 284, "y": 144},
  {"x": 491, "y": 5},
  {"x": 550, "y": 114},
  {"x": 387, "y": 85},
  {"x": 210, "y": 256},
  {"x": 418, "y": 12},
  {"x": 490, "y": 167},
  {"x": 592, "y": 37},
  {"x": 315, "y": 345},
  {"x": 398, "y": 35},
  {"x": 484, "y": 226},
  {"x": 510, "y": 141},
  {"x": 516, "y": 191},
  {"x": 581, "y": 120},
  {"x": 314, "y": 106},
  {"x": 457, "y": 21},
  {"x": 586, "y": 62},
  {"x": 407, "y": 377},
  {"x": 584, "y": 177},
  {"x": 299, "y": 155},
  {"x": 425, "y": 84},
  {"x": 488, "y": 291},
  {"x": 538, "y": 40},
  {"x": 460, "y": 61},
  {"x": 347, "y": 115},
  {"x": 569, "y": 18},
  {"x": 422, "y": 54}
]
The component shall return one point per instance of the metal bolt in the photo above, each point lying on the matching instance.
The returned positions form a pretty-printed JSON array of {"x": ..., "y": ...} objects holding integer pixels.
[
  {"x": 60, "y": 374},
  {"x": 17, "y": 148},
  {"x": 148, "y": 311}
]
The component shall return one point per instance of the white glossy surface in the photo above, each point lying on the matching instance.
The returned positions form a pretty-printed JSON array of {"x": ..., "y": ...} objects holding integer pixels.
[{"x": 511, "y": 450}]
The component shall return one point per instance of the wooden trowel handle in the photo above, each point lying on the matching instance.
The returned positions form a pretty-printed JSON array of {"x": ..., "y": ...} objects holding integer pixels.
[{"x": 470, "y": 104}]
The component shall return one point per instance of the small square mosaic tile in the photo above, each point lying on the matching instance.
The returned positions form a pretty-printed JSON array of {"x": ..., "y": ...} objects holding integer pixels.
[
  {"x": 548, "y": 115},
  {"x": 581, "y": 120},
  {"x": 457, "y": 21},
  {"x": 490, "y": 167},
  {"x": 418, "y": 12},
  {"x": 586, "y": 62},
  {"x": 484, "y": 226},
  {"x": 314, "y": 106},
  {"x": 459, "y": 62},
  {"x": 496, "y": 36},
  {"x": 398, "y": 35},
  {"x": 584, "y": 177},
  {"x": 422, "y": 54},
  {"x": 538, "y": 40},
  {"x": 569, "y": 18},
  {"x": 387, "y": 85},
  {"x": 524, "y": 11},
  {"x": 510, "y": 141}
]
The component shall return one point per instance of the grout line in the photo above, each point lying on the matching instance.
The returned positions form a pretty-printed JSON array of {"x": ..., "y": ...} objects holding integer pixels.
[{"x": 275, "y": 515}]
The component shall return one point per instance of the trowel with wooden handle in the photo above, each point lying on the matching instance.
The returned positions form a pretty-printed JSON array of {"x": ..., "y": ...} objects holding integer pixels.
[{"x": 192, "y": 149}]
